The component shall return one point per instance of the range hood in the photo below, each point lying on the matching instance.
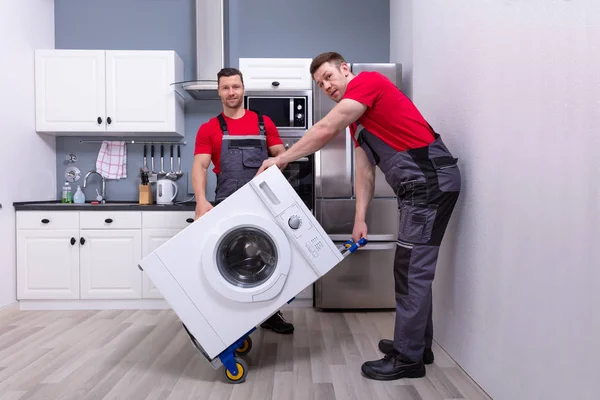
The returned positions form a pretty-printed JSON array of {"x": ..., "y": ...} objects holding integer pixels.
[{"x": 210, "y": 51}]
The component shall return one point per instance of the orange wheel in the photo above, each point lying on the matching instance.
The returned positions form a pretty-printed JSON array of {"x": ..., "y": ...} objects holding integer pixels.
[
  {"x": 240, "y": 376},
  {"x": 245, "y": 347}
]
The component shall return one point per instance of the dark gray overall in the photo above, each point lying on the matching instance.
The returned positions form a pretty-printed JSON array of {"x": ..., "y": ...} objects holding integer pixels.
[
  {"x": 427, "y": 183},
  {"x": 241, "y": 157}
]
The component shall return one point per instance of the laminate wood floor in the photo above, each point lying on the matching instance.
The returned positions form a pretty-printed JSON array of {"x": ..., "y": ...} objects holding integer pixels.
[{"x": 146, "y": 354}]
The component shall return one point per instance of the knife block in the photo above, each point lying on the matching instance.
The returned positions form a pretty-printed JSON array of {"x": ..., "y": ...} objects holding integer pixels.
[{"x": 145, "y": 194}]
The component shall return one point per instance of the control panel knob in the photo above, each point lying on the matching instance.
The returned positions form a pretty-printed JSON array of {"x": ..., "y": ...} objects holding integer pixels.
[
  {"x": 299, "y": 116},
  {"x": 299, "y": 107},
  {"x": 294, "y": 222}
]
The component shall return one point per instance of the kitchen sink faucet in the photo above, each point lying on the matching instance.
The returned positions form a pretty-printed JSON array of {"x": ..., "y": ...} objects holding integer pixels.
[{"x": 103, "y": 195}]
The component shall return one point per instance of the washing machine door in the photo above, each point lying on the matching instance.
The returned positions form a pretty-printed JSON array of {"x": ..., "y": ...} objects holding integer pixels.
[{"x": 247, "y": 258}]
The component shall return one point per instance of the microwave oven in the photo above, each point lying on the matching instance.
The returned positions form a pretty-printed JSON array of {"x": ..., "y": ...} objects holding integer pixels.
[{"x": 290, "y": 111}]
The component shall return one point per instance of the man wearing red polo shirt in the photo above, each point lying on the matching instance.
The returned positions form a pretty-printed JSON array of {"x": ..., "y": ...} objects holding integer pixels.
[
  {"x": 237, "y": 141},
  {"x": 389, "y": 132}
]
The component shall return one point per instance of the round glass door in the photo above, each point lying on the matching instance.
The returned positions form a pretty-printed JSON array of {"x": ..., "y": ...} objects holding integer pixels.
[{"x": 246, "y": 257}]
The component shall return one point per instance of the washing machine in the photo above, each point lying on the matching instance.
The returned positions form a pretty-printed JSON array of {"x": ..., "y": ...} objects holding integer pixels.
[{"x": 238, "y": 264}]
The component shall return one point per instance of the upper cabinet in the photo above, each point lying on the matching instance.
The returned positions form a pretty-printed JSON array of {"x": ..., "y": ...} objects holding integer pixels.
[
  {"x": 108, "y": 92},
  {"x": 276, "y": 73}
]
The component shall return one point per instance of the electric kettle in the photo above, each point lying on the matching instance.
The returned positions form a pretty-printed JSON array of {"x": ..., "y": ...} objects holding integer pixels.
[{"x": 166, "y": 191}]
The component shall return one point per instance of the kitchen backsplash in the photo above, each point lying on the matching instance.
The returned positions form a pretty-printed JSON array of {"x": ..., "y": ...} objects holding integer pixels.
[{"x": 127, "y": 189}]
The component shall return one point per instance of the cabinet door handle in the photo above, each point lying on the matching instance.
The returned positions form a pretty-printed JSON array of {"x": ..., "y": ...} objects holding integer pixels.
[
  {"x": 108, "y": 120},
  {"x": 190, "y": 220},
  {"x": 73, "y": 241},
  {"x": 99, "y": 120},
  {"x": 45, "y": 221},
  {"x": 82, "y": 241},
  {"x": 108, "y": 220}
]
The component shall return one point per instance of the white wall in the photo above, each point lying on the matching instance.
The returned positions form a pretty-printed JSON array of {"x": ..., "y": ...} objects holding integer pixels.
[
  {"x": 27, "y": 160},
  {"x": 514, "y": 89},
  {"x": 401, "y": 41}
]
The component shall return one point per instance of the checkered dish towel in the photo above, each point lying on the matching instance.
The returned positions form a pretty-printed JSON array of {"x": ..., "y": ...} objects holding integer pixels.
[{"x": 112, "y": 160}]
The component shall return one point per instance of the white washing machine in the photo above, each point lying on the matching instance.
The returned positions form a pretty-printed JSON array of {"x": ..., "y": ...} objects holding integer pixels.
[{"x": 241, "y": 262}]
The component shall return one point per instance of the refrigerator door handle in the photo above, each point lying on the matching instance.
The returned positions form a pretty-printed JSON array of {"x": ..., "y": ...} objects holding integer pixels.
[{"x": 348, "y": 156}]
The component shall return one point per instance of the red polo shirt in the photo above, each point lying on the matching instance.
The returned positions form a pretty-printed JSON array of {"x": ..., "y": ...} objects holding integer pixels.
[
  {"x": 210, "y": 136},
  {"x": 390, "y": 115}
]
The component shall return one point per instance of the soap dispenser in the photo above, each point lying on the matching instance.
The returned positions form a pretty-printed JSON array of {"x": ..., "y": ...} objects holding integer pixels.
[{"x": 79, "y": 197}]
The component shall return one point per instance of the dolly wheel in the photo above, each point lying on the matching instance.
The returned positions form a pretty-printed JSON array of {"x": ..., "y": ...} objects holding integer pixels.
[
  {"x": 245, "y": 347},
  {"x": 242, "y": 371}
]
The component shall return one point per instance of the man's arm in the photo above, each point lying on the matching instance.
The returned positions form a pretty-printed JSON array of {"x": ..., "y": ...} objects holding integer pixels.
[
  {"x": 276, "y": 150},
  {"x": 342, "y": 115},
  {"x": 199, "y": 171},
  {"x": 364, "y": 185}
]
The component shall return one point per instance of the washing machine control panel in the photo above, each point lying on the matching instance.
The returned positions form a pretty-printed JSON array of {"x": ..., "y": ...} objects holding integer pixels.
[{"x": 297, "y": 223}]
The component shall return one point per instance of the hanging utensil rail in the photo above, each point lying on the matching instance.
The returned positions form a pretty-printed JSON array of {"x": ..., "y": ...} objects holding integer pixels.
[{"x": 183, "y": 143}]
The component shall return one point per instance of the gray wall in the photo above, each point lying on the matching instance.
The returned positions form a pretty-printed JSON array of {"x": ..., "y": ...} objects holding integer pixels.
[{"x": 260, "y": 28}]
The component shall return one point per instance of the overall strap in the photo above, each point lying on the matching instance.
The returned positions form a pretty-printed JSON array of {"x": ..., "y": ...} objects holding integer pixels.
[
  {"x": 261, "y": 125},
  {"x": 223, "y": 124}
]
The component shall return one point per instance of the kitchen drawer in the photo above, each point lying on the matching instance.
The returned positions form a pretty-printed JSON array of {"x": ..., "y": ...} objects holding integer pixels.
[
  {"x": 110, "y": 219},
  {"x": 167, "y": 219},
  {"x": 47, "y": 220}
]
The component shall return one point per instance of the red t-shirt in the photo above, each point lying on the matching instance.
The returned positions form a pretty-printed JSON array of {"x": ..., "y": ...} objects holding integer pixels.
[
  {"x": 390, "y": 115},
  {"x": 210, "y": 136}
]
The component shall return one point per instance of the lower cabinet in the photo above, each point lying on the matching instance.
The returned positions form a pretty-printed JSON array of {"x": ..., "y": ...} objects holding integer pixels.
[
  {"x": 90, "y": 255},
  {"x": 152, "y": 239},
  {"x": 108, "y": 264},
  {"x": 48, "y": 264}
]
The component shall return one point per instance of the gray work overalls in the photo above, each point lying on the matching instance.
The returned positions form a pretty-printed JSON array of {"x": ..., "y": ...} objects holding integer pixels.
[
  {"x": 241, "y": 157},
  {"x": 427, "y": 183}
]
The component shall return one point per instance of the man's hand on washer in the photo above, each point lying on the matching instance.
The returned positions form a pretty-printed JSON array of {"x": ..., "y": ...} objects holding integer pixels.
[{"x": 202, "y": 208}]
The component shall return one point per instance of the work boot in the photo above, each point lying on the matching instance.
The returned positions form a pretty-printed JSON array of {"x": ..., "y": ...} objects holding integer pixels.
[
  {"x": 278, "y": 324},
  {"x": 393, "y": 366},
  {"x": 386, "y": 346}
]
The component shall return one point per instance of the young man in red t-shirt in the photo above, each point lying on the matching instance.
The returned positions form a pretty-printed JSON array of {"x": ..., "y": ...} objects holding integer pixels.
[
  {"x": 389, "y": 132},
  {"x": 221, "y": 140}
]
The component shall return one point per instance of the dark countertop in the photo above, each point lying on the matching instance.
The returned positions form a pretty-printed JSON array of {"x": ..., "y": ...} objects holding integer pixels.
[{"x": 110, "y": 205}]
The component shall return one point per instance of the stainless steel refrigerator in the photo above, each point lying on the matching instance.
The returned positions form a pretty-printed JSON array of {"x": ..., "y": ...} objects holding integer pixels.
[{"x": 365, "y": 280}]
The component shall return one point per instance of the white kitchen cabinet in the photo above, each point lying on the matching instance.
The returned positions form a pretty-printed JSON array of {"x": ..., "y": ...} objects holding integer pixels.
[
  {"x": 276, "y": 73},
  {"x": 152, "y": 239},
  {"x": 108, "y": 92},
  {"x": 48, "y": 264},
  {"x": 108, "y": 264},
  {"x": 47, "y": 255},
  {"x": 157, "y": 228},
  {"x": 111, "y": 248}
]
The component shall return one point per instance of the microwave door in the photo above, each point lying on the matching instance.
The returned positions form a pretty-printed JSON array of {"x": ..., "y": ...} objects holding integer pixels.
[{"x": 278, "y": 109}]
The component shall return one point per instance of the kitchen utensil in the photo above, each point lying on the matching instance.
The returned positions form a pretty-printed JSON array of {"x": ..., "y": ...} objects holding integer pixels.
[
  {"x": 152, "y": 158},
  {"x": 145, "y": 165},
  {"x": 179, "y": 171},
  {"x": 152, "y": 176},
  {"x": 162, "y": 161},
  {"x": 144, "y": 176},
  {"x": 171, "y": 174},
  {"x": 166, "y": 191}
]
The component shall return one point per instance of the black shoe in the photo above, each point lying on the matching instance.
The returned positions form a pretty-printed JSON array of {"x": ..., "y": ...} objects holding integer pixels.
[
  {"x": 278, "y": 324},
  {"x": 386, "y": 346},
  {"x": 391, "y": 367}
]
